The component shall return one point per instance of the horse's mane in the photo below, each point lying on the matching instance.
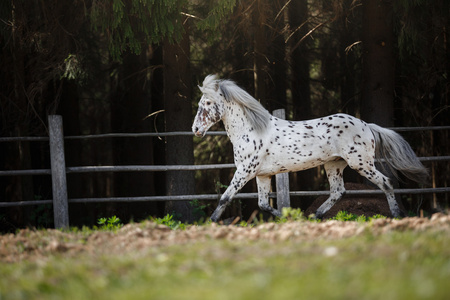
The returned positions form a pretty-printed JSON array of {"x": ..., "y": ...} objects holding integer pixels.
[{"x": 256, "y": 114}]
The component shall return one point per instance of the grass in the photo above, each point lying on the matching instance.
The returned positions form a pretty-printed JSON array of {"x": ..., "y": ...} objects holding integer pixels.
[{"x": 398, "y": 265}]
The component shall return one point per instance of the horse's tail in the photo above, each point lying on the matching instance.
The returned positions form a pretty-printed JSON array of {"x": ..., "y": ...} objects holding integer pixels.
[{"x": 397, "y": 154}]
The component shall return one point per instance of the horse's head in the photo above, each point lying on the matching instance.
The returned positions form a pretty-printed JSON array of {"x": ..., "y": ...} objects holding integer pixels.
[{"x": 210, "y": 107}]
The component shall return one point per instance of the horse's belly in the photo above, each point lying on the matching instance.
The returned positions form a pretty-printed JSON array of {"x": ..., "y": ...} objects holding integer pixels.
[{"x": 274, "y": 166}]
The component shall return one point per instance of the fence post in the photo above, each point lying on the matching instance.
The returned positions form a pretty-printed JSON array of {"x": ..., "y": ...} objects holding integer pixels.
[
  {"x": 58, "y": 166},
  {"x": 282, "y": 179}
]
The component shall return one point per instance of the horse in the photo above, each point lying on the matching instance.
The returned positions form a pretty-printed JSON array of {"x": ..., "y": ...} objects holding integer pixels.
[{"x": 264, "y": 145}]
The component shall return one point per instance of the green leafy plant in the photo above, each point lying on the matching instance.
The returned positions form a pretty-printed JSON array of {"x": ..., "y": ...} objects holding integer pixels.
[
  {"x": 42, "y": 214},
  {"x": 112, "y": 223},
  {"x": 198, "y": 209},
  {"x": 377, "y": 216},
  {"x": 346, "y": 216},
  {"x": 291, "y": 214},
  {"x": 220, "y": 186},
  {"x": 169, "y": 222}
]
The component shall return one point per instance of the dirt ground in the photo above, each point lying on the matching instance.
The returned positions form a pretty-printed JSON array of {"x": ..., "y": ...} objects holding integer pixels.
[
  {"x": 39, "y": 244},
  {"x": 28, "y": 244},
  {"x": 367, "y": 205}
]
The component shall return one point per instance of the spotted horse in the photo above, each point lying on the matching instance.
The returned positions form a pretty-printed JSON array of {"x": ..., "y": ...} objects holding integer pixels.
[{"x": 264, "y": 145}]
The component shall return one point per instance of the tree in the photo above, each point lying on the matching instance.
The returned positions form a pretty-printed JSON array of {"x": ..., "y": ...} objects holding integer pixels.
[
  {"x": 300, "y": 80},
  {"x": 378, "y": 62},
  {"x": 277, "y": 91},
  {"x": 127, "y": 25},
  {"x": 131, "y": 102},
  {"x": 133, "y": 24},
  {"x": 35, "y": 41},
  {"x": 178, "y": 115}
]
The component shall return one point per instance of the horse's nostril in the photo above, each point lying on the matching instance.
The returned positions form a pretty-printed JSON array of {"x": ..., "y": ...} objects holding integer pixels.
[{"x": 196, "y": 129}]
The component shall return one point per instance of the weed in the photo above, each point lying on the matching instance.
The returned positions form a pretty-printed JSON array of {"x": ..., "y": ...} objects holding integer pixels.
[
  {"x": 291, "y": 214},
  {"x": 198, "y": 209},
  {"x": 42, "y": 215},
  {"x": 346, "y": 216},
  {"x": 169, "y": 222},
  {"x": 220, "y": 186},
  {"x": 113, "y": 223}
]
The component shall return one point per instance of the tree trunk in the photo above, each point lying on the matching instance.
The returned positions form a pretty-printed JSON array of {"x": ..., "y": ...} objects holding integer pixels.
[
  {"x": 301, "y": 93},
  {"x": 69, "y": 109},
  {"x": 178, "y": 114},
  {"x": 20, "y": 188},
  {"x": 378, "y": 63},
  {"x": 260, "y": 70},
  {"x": 157, "y": 95},
  {"x": 130, "y": 108},
  {"x": 348, "y": 62},
  {"x": 378, "y": 69},
  {"x": 276, "y": 94}
]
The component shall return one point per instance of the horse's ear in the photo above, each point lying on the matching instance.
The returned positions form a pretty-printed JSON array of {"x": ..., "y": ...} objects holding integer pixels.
[
  {"x": 224, "y": 92},
  {"x": 201, "y": 88}
]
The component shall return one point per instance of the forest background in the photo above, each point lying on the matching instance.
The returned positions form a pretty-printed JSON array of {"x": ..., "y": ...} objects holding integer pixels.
[{"x": 106, "y": 65}]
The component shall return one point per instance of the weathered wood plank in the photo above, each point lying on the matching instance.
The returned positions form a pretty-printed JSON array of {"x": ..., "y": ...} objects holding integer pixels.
[
  {"x": 58, "y": 168},
  {"x": 282, "y": 179}
]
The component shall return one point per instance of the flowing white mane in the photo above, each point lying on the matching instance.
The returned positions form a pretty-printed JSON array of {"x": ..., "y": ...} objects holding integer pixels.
[{"x": 256, "y": 114}]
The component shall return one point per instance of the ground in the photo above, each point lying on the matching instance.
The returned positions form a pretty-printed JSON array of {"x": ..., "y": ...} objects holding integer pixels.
[
  {"x": 30, "y": 244},
  {"x": 367, "y": 206},
  {"x": 408, "y": 258}
]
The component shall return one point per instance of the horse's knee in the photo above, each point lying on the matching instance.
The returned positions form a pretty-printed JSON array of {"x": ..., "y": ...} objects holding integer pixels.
[
  {"x": 335, "y": 196},
  {"x": 224, "y": 201}
]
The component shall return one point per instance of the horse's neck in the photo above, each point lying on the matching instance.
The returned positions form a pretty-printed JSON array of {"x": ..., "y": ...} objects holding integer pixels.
[{"x": 236, "y": 123}]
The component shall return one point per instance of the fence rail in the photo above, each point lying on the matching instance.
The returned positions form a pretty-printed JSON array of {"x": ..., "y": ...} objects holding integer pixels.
[
  {"x": 58, "y": 172},
  {"x": 157, "y": 168},
  {"x": 175, "y": 133}
]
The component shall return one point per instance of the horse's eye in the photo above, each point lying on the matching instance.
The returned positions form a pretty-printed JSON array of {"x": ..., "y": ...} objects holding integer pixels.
[{"x": 208, "y": 102}]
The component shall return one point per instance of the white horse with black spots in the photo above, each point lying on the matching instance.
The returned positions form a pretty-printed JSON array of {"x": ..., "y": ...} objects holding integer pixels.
[{"x": 264, "y": 145}]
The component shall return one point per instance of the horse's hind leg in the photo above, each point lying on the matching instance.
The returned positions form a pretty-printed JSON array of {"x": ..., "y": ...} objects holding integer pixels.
[
  {"x": 335, "y": 172},
  {"x": 383, "y": 182},
  {"x": 263, "y": 183}
]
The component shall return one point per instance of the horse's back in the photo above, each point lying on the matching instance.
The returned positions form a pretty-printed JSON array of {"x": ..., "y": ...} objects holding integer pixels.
[{"x": 314, "y": 142}]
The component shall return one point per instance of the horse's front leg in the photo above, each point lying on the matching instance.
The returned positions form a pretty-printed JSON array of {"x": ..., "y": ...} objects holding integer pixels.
[
  {"x": 240, "y": 178},
  {"x": 263, "y": 183}
]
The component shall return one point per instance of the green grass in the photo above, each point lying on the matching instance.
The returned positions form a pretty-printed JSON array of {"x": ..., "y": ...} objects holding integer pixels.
[{"x": 398, "y": 265}]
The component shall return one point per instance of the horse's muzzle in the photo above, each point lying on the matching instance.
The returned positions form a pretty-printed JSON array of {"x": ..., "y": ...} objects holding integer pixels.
[{"x": 198, "y": 132}]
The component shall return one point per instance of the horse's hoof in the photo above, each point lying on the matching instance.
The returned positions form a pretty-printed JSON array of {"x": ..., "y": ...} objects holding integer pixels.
[
  {"x": 214, "y": 219},
  {"x": 399, "y": 214},
  {"x": 317, "y": 216}
]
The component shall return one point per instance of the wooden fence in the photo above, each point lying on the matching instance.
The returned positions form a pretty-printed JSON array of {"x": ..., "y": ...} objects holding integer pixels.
[{"x": 59, "y": 170}]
